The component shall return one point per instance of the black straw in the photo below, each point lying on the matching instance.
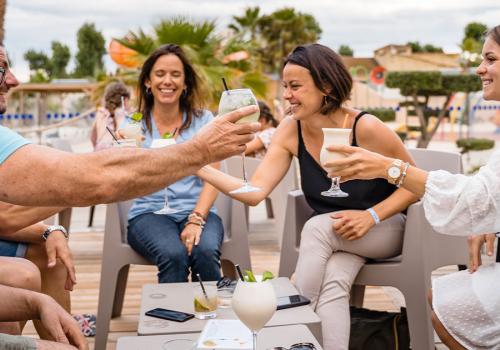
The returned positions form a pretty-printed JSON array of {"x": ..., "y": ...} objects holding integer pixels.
[
  {"x": 202, "y": 286},
  {"x": 175, "y": 130},
  {"x": 239, "y": 272},
  {"x": 225, "y": 85},
  {"x": 112, "y": 134}
]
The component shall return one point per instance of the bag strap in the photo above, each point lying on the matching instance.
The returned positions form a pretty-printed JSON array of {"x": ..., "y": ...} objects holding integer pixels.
[{"x": 395, "y": 330}]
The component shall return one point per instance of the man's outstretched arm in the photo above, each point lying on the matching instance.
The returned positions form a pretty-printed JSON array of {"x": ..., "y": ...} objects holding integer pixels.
[{"x": 41, "y": 176}]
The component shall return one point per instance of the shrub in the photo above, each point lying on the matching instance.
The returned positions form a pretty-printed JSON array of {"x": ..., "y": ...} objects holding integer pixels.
[
  {"x": 474, "y": 144},
  {"x": 384, "y": 114}
]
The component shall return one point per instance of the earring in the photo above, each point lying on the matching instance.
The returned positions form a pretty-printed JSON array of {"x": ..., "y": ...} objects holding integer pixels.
[
  {"x": 148, "y": 91},
  {"x": 325, "y": 100},
  {"x": 184, "y": 92}
]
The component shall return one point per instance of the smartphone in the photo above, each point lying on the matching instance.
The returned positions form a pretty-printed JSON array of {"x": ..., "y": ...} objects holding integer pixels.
[
  {"x": 292, "y": 301},
  {"x": 170, "y": 315}
]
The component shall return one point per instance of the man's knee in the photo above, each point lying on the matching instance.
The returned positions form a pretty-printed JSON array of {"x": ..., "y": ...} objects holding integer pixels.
[{"x": 23, "y": 274}]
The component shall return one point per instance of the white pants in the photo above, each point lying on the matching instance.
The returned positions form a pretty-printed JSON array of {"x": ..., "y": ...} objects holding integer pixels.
[{"x": 328, "y": 265}]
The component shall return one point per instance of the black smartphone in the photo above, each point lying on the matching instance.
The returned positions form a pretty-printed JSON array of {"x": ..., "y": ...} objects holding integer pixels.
[
  {"x": 291, "y": 301},
  {"x": 170, "y": 315}
]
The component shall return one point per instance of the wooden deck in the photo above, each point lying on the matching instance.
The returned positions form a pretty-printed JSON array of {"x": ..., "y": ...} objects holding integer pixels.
[{"x": 87, "y": 250}]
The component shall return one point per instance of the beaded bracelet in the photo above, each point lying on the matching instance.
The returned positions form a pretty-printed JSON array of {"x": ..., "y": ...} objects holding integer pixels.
[
  {"x": 194, "y": 223},
  {"x": 197, "y": 218},
  {"x": 403, "y": 175}
]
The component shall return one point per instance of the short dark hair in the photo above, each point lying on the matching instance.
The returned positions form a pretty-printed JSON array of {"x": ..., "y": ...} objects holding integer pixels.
[
  {"x": 113, "y": 96},
  {"x": 190, "y": 101},
  {"x": 265, "y": 113},
  {"x": 494, "y": 33},
  {"x": 328, "y": 72}
]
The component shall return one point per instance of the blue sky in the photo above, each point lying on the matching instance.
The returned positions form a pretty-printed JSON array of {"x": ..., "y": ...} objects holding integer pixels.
[{"x": 362, "y": 24}]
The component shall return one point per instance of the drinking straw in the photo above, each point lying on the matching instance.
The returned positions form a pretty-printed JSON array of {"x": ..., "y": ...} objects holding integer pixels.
[
  {"x": 225, "y": 85},
  {"x": 202, "y": 286},
  {"x": 107, "y": 128},
  {"x": 175, "y": 130},
  {"x": 239, "y": 272},
  {"x": 123, "y": 102},
  {"x": 345, "y": 120}
]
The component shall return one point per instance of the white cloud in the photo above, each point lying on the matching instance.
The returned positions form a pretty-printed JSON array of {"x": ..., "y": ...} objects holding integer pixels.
[{"x": 363, "y": 24}]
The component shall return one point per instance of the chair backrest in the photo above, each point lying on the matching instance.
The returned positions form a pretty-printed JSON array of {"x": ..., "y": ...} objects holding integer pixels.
[
  {"x": 430, "y": 160},
  {"x": 279, "y": 194}
]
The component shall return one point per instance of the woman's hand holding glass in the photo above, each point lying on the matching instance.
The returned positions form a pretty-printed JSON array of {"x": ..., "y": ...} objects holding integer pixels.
[
  {"x": 359, "y": 164},
  {"x": 232, "y": 100}
]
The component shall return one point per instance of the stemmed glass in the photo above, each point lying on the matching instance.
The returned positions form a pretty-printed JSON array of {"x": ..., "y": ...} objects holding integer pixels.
[
  {"x": 230, "y": 101},
  {"x": 254, "y": 303},
  {"x": 157, "y": 143},
  {"x": 334, "y": 136}
]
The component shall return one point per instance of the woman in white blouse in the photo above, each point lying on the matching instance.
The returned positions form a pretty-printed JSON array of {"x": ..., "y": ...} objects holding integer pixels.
[{"x": 466, "y": 306}]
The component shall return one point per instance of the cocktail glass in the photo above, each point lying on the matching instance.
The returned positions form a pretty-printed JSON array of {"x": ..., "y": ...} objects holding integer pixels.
[
  {"x": 230, "y": 101},
  {"x": 205, "y": 301},
  {"x": 158, "y": 143},
  {"x": 254, "y": 303},
  {"x": 133, "y": 131},
  {"x": 334, "y": 136}
]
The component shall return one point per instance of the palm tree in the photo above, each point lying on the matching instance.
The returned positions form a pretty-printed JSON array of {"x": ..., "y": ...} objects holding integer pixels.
[
  {"x": 282, "y": 31},
  {"x": 248, "y": 23},
  {"x": 203, "y": 48}
]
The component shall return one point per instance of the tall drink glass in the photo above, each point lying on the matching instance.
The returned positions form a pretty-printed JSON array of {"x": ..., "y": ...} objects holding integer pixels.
[
  {"x": 230, "y": 101},
  {"x": 334, "y": 136},
  {"x": 254, "y": 303},
  {"x": 158, "y": 143}
]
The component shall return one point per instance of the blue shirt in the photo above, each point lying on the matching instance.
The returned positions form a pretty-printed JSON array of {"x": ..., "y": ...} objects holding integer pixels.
[
  {"x": 183, "y": 194},
  {"x": 9, "y": 143}
]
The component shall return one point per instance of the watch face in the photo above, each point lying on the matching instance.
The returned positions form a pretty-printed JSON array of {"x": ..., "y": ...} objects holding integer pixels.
[{"x": 394, "y": 172}]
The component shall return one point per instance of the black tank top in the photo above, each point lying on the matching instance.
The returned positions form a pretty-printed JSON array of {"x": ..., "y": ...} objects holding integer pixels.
[{"x": 363, "y": 194}]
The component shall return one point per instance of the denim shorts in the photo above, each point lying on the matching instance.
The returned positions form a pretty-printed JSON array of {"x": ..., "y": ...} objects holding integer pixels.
[{"x": 13, "y": 249}]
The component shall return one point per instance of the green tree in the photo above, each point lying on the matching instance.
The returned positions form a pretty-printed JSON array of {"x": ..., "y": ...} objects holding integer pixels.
[
  {"x": 420, "y": 86},
  {"x": 416, "y": 47},
  {"x": 472, "y": 43},
  {"x": 45, "y": 68},
  {"x": 247, "y": 25},
  {"x": 345, "y": 50},
  {"x": 282, "y": 31},
  {"x": 204, "y": 49},
  {"x": 91, "y": 49},
  {"x": 59, "y": 60}
]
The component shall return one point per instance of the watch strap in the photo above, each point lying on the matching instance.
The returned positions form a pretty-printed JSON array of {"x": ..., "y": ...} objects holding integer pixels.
[{"x": 53, "y": 228}]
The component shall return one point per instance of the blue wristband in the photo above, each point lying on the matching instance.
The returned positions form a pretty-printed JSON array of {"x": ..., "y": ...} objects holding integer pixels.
[{"x": 374, "y": 215}]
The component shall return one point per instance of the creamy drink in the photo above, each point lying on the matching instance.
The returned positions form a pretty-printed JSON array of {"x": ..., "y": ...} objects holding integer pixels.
[
  {"x": 254, "y": 303},
  {"x": 334, "y": 136}
]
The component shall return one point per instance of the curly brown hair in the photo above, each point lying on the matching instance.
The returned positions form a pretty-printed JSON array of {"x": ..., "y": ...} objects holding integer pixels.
[{"x": 113, "y": 96}]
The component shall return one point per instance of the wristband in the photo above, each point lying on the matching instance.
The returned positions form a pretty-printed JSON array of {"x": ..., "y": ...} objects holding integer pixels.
[
  {"x": 374, "y": 215},
  {"x": 53, "y": 228}
]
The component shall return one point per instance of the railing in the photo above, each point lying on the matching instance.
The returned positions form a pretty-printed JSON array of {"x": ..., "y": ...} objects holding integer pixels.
[{"x": 41, "y": 129}]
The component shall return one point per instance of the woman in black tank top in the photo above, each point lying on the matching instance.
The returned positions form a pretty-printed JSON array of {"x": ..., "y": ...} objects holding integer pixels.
[{"x": 344, "y": 231}]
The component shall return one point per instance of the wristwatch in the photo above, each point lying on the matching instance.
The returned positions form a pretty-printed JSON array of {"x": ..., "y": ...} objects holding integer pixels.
[
  {"x": 53, "y": 228},
  {"x": 394, "y": 171}
]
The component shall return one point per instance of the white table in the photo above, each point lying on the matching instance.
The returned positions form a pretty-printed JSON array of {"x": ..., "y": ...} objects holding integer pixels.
[
  {"x": 179, "y": 297},
  {"x": 268, "y": 338}
]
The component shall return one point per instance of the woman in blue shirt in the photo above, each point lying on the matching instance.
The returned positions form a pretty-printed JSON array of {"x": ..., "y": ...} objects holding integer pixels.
[{"x": 190, "y": 239}]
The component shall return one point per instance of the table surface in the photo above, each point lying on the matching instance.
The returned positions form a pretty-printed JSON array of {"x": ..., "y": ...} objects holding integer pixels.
[
  {"x": 268, "y": 338},
  {"x": 179, "y": 297}
]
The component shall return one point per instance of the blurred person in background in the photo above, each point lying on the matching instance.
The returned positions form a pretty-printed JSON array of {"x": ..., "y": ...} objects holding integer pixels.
[
  {"x": 116, "y": 98},
  {"x": 258, "y": 147}
]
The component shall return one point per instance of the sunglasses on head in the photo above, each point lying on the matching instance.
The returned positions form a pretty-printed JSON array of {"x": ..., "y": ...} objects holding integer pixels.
[{"x": 298, "y": 346}]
